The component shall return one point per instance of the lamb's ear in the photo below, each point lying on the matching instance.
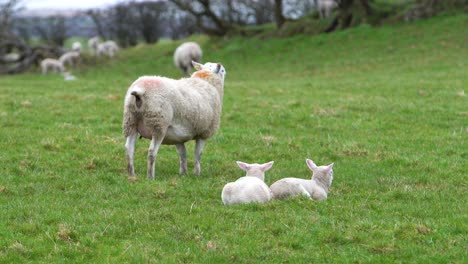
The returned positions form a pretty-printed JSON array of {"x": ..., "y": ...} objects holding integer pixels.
[
  {"x": 267, "y": 166},
  {"x": 244, "y": 166},
  {"x": 197, "y": 65},
  {"x": 311, "y": 164}
]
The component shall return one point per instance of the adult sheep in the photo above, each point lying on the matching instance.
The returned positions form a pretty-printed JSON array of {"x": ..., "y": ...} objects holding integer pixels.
[
  {"x": 172, "y": 112},
  {"x": 185, "y": 54}
]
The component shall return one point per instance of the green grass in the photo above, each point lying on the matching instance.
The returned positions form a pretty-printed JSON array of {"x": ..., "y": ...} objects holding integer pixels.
[{"x": 385, "y": 105}]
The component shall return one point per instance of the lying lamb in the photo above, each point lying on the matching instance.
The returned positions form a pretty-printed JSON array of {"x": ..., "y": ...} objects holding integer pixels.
[
  {"x": 248, "y": 189},
  {"x": 185, "y": 54},
  {"x": 316, "y": 188},
  {"x": 69, "y": 58},
  {"x": 53, "y": 64},
  {"x": 172, "y": 112}
]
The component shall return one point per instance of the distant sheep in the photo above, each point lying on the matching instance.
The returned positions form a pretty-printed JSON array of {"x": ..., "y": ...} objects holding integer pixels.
[
  {"x": 108, "y": 48},
  {"x": 53, "y": 64},
  {"x": 316, "y": 188},
  {"x": 325, "y": 7},
  {"x": 185, "y": 54},
  {"x": 93, "y": 44},
  {"x": 172, "y": 112},
  {"x": 70, "y": 58},
  {"x": 248, "y": 189},
  {"x": 76, "y": 46}
]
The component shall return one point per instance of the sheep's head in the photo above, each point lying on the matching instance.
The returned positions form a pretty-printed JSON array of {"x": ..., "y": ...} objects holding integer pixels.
[{"x": 216, "y": 68}]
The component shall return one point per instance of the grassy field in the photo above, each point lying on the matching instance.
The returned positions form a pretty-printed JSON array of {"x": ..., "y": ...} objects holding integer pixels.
[{"x": 386, "y": 105}]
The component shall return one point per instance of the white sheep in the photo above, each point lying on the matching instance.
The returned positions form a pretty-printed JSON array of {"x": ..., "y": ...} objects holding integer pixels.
[
  {"x": 315, "y": 188},
  {"x": 248, "y": 189},
  {"x": 76, "y": 46},
  {"x": 93, "y": 44},
  {"x": 185, "y": 54},
  {"x": 108, "y": 48},
  {"x": 54, "y": 64},
  {"x": 172, "y": 112},
  {"x": 69, "y": 58},
  {"x": 325, "y": 7}
]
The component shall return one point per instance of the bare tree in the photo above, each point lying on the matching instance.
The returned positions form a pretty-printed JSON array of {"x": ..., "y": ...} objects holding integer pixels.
[
  {"x": 52, "y": 29},
  {"x": 7, "y": 13},
  {"x": 99, "y": 18},
  {"x": 179, "y": 24},
  {"x": 149, "y": 16},
  {"x": 206, "y": 18},
  {"x": 279, "y": 17}
]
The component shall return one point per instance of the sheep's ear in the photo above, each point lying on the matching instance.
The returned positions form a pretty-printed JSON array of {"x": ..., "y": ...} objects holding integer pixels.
[
  {"x": 244, "y": 166},
  {"x": 311, "y": 164},
  {"x": 197, "y": 65},
  {"x": 329, "y": 167},
  {"x": 267, "y": 166}
]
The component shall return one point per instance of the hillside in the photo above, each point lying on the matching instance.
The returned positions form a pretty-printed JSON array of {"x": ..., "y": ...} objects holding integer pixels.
[{"x": 386, "y": 105}]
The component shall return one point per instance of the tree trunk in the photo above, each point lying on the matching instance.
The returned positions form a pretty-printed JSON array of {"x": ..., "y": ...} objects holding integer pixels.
[{"x": 279, "y": 13}]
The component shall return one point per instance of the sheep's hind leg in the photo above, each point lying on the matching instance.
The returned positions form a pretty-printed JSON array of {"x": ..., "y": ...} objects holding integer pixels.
[
  {"x": 153, "y": 152},
  {"x": 183, "y": 158},
  {"x": 200, "y": 143},
  {"x": 130, "y": 147}
]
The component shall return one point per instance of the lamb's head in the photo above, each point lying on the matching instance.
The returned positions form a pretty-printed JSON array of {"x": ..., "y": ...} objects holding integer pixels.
[
  {"x": 215, "y": 68},
  {"x": 322, "y": 174},
  {"x": 255, "y": 170}
]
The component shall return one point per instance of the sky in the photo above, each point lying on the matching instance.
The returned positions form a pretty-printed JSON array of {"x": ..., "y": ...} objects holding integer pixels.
[{"x": 67, "y": 4}]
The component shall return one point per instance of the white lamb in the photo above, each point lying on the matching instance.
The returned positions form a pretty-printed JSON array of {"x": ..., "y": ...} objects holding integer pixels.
[
  {"x": 76, "y": 46},
  {"x": 172, "y": 112},
  {"x": 93, "y": 44},
  {"x": 316, "y": 188},
  {"x": 248, "y": 189},
  {"x": 325, "y": 7},
  {"x": 69, "y": 58},
  {"x": 185, "y": 54},
  {"x": 53, "y": 64},
  {"x": 108, "y": 48}
]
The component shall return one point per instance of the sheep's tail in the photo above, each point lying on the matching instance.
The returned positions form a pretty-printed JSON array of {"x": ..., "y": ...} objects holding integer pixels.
[
  {"x": 130, "y": 117},
  {"x": 138, "y": 93}
]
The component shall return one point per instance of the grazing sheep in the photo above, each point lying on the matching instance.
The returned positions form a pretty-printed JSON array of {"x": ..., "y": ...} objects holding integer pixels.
[
  {"x": 54, "y": 64},
  {"x": 76, "y": 46},
  {"x": 172, "y": 112},
  {"x": 316, "y": 188},
  {"x": 248, "y": 189},
  {"x": 108, "y": 48},
  {"x": 93, "y": 44},
  {"x": 69, "y": 57},
  {"x": 185, "y": 54},
  {"x": 325, "y": 7}
]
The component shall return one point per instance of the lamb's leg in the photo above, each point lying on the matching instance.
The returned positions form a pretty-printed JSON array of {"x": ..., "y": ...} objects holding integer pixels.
[
  {"x": 130, "y": 147},
  {"x": 153, "y": 152},
  {"x": 200, "y": 143},
  {"x": 183, "y": 158}
]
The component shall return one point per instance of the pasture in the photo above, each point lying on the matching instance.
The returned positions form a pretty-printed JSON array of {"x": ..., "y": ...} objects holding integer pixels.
[{"x": 386, "y": 105}]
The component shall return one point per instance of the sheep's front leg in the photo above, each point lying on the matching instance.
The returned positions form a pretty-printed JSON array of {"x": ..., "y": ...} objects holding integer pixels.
[
  {"x": 183, "y": 158},
  {"x": 130, "y": 147},
  {"x": 200, "y": 143},
  {"x": 152, "y": 153}
]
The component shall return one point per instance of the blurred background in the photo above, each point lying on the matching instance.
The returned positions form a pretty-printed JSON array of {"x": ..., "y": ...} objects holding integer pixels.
[{"x": 36, "y": 29}]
